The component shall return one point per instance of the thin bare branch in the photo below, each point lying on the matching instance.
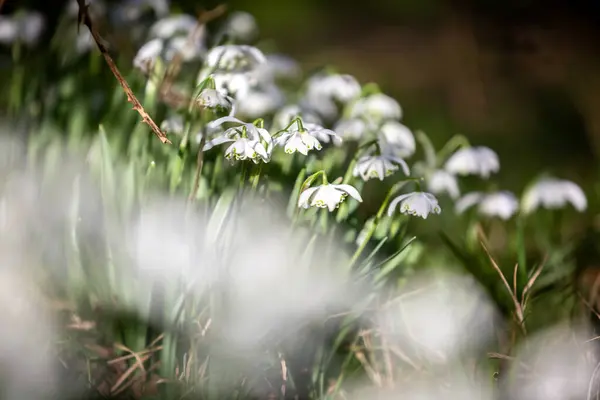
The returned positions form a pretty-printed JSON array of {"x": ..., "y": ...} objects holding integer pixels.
[{"x": 84, "y": 17}]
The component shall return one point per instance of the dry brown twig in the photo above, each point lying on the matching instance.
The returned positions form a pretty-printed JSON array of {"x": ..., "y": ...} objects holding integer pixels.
[{"x": 84, "y": 18}]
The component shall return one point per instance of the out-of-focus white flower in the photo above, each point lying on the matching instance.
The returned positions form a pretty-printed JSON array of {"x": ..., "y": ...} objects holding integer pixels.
[
  {"x": 84, "y": 41},
  {"x": 351, "y": 128},
  {"x": 419, "y": 204},
  {"x": 323, "y": 92},
  {"x": 281, "y": 66},
  {"x": 147, "y": 54},
  {"x": 327, "y": 196},
  {"x": 377, "y": 107},
  {"x": 305, "y": 137},
  {"x": 234, "y": 58},
  {"x": 31, "y": 26},
  {"x": 441, "y": 181},
  {"x": 552, "y": 193},
  {"x": 189, "y": 49},
  {"x": 9, "y": 30},
  {"x": 261, "y": 101},
  {"x": 379, "y": 166},
  {"x": 173, "y": 25},
  {"x": 339, "y": 87},
  {"x": 24, "y": 27},
  {"x": 323, "y": 106},
  {"x": 502, "y": 204},
  {"x": 480, "y": 160},
  {"x": 288, "y": 113},
  {"x": 323, "y": 134},
  {"x": 242, "y": 27},
  {"x": 173, "y": 124},
  {"x": 214, "y": 100},
  {"x": 235, "y": 84},
  {"x": 245, "y": 148},
  {"x": 397, "y": 138}
]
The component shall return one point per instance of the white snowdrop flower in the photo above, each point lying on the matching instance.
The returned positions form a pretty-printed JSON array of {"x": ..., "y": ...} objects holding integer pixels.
[
  {"x": 281, "y": 66},
  {"x": 502, "y": 204},
  {"x": 234, "y": 84},
  {"x": 173, "y": 124},
  {"x": 174, "y": 25},
  {"x": 351, "y": 128},
  {"x": 324, "y": 135},
  {"x": 214, "y": 100},
  {"x": 397, "y": 138},
  {"x": 441, "y": 181},
  {"x": 189, "y": 49},
  {"x": 9, "y": 30},
  {"x": 84, "y": 41},
  {"x": 304, "y": 137},
  {"x": 259, "y": 102},
  {"x": 323, "y": 92},
  {"x": 147, "y": 54},
  {"x": 297, "y": 141},
  {"x": 552, "y": 193},
  {"x": 234, "y": 58},
  {"x": 288, "y": 113},
  {"x": 242, "y": 27},
  {"x": 31, "y": 26},
  {"x": 340, "y": 87},
  {"x": 245, "y": 148},
  {"x": 378, "y": 107},
  {"x": 323, "y": 106},
  {"x": 379, "y": 166},
  {"x": 479, "y": 160},
  {"x": 419, "y": 204},
  {"x": 327, "y": 196},
  {"x": 24, "y": 27},
  {"x": 239, "y": 131}
]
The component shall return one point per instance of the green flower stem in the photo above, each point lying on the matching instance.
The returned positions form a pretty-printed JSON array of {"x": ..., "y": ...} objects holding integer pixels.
[
  {"x": 350, "y": 170},
  {"x": 428, "y": 149},
  {"x": 451, "y": 145},
  {"x": 256, "y": 177},
  {"x": 378, "y": 217}
]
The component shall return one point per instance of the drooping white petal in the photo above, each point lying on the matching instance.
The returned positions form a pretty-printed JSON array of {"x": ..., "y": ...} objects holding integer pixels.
[
  {"x": 441, "y": 181},
  {"x": 351, "y": 129},
  {"x": 419, "y": 204},
  {"x": 217, "y": 141},
  {"x": 377, "y": 107},
  {"x": 468, "y": 201},
  {"x": 303, "y": 199},
  {"x": 552, "y": 193},
  {"x": 398, "y": 139},
  {"x": 350, "y": 190},
  {"x": 481, "y": 161},
  {"x": 501, "y": 204}
]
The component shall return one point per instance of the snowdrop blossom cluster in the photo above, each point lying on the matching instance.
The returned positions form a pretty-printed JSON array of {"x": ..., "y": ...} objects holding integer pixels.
[{"x": 258, "y": 116}]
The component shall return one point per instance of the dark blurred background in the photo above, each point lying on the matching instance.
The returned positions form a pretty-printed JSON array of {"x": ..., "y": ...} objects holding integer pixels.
[{"x": 518, "y": 75}]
